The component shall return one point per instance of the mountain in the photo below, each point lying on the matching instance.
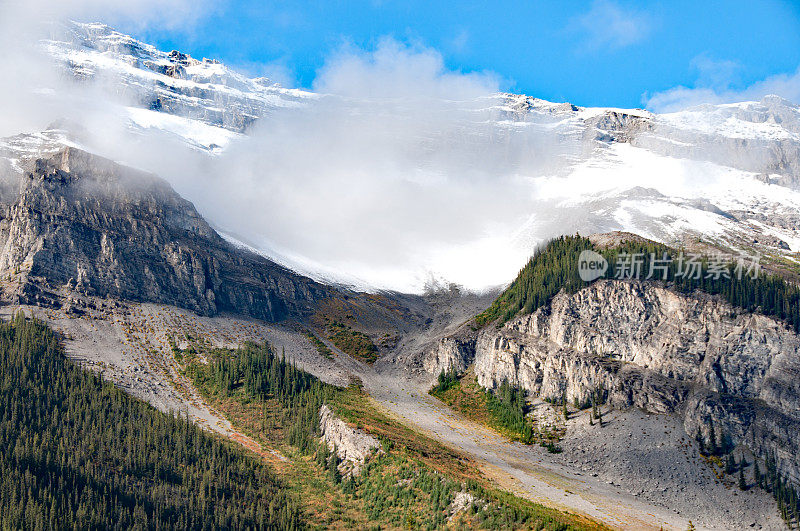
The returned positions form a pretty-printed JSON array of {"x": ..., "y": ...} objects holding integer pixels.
[
  {"x": 76, "y": 221},
  {"x": 142, "y": 287},
  {"x": 183, "y": 93},
  {"x": 694, "y": 356},
  {"x": 727, "y": 174}
]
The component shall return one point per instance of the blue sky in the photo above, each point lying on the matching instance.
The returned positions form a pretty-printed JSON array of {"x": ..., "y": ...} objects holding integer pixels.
[{"x": 605, "y": 53}]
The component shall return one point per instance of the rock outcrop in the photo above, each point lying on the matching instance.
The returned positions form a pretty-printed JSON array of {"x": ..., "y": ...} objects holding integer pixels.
[
  {"x": 451, "y": 352},
  {"x": 353, "y": 446},
  {"x": 644, "y": 346},
  {"x": 75, "y": 221}
]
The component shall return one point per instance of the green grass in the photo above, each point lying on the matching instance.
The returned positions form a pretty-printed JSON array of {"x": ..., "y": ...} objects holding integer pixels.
[
  {"x": 409, "y": 485},
  {"x": 503, "y": 410},
  {"x": 352, "y": 342},
  {"x": 322, "y": 348}
]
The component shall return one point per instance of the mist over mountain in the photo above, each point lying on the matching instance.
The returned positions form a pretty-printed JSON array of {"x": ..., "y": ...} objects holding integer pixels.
[
  {"x": 372, "y": 286},
  {"x": 420, "y": 174}
]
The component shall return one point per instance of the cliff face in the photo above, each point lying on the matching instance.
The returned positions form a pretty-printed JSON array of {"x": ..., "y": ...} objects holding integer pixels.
[
  {"x": 353, "y": 446},
  {"x": 451, "y": 352},
  {"x": 74, "y": 221},
  {"x": 648, "y": 347}
]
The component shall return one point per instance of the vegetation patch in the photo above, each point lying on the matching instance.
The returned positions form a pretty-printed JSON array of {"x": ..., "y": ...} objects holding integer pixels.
[
  {"x": 411, "y": 484},
  {"x": 352, "y": 342},
  {"x": 718, "y": 452},
  {"x": 555, "y": 267},
  {"x": 504, "y": 409},
  {"x": 322, "y": 348},
  {"x": 77, "y": 452}
]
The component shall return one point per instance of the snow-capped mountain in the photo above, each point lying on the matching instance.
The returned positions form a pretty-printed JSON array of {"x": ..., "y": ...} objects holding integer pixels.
[
  {"x": 726, "y": 174},
  {"x": 200, "y": 100}
]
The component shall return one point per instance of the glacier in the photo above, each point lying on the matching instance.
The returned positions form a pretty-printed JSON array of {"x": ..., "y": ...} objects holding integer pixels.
[{"x": 484, "y": 180}]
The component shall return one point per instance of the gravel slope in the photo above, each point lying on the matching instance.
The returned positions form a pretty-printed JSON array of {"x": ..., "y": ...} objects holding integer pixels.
[{"x": 637, "y": 472}]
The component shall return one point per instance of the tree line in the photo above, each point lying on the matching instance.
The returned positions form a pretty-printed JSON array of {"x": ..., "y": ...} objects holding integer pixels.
[
  {"x": 393, "y": 487},
  {"x": 554, "y": 267},
  {"x": 77, "y": 452},
  {"x": 258, "y": 372}
]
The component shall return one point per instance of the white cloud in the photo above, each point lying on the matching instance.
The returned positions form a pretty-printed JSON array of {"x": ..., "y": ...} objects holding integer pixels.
[
  {"x": 717, "y": 91},
  {"x": 160, "y": 14},
  {"x": 715, "y": 73},
  {"x": 400, "y": 170},
  {"x": 31, "y": 78},
  {"x": 607, "y": 25},
  {"x": 395, "y": 69},
  {"x": 397, "y": 173}
]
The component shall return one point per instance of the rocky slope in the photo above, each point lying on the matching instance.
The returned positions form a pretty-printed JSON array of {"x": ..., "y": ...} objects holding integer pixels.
[
  {"x": 74, "y": 221},
  {"x": 726, "y": 173},
  {"x": 645, "y": 346}
]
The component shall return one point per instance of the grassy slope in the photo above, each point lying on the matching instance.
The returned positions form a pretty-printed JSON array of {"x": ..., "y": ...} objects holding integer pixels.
[
  {"x": 352, "y": 342},
  {"x": 412, "y": 462},
  {"x": 470, "y": 399}
]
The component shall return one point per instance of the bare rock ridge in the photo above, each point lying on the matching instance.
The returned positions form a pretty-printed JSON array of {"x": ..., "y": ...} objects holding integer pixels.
[
  {"x": 353, "y": 446},
  {"x": 75, "y": 221},
  {"x": 648, "y": 347},
  {"x": 174, "y": 82}
]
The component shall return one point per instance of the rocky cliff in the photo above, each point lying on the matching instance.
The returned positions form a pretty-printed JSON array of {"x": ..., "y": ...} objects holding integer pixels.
[
  {"x": 74, "y": 221},
  {"x": 645, "y": 346},
  {"x": 353, "y": 446}
]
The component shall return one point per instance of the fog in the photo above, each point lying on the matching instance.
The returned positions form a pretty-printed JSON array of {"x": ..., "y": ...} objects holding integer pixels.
[{"x": 401, "y": 174}]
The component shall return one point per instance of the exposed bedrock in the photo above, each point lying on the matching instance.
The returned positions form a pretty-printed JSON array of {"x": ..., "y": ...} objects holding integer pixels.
[
  {"x": 645, "y": 346},
  {"x": 353, "y": 446},
  {"x": 79, "y": 222}
]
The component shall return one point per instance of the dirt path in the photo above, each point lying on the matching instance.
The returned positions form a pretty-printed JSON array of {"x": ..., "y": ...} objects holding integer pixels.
[
  {"x": 630, "y": 448},
  {"x": 130, "y": 346},
  {"x": 524, "y": 470}
]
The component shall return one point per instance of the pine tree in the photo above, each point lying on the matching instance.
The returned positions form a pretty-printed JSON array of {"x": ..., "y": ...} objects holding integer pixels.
[
  {"x": 730, "y": 464},
  {"x": 757, "y": 474},
  {"x": 712, "y": 436},
  {"x": 700, "y": 441},
  {"x": 742, "y": 481},
  {"x": 158, "y": 470},
  {"x": 553, "y": 268}
]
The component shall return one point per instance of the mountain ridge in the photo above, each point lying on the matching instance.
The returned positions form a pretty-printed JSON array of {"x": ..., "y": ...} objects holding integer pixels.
[
  {"x": 727, "y": 173},
  {"x": 85, "y": 223}
]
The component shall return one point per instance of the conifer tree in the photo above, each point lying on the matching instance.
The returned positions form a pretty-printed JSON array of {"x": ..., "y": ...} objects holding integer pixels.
[
  {"x": 757, "y": 474},
  {"x": 730, "y": 464},
  {"x": 88, "y": 456},
  {"x": 712, "y": 440},
  {"x": 700, "y": 441}
]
